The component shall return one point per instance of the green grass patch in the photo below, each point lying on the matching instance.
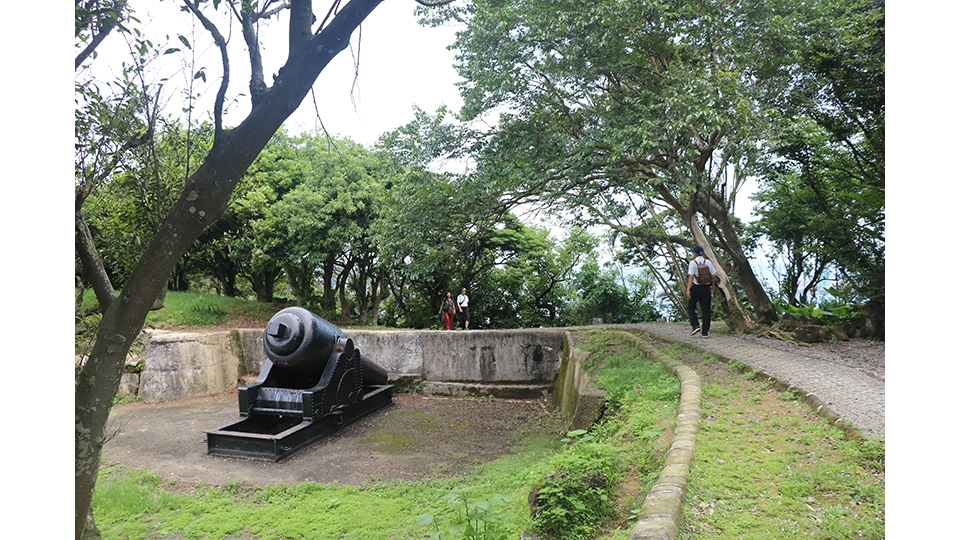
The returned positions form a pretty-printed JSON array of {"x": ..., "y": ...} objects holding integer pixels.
[
  {"x": 767, "y": 467},
  {"x": 185, "y": 310}
]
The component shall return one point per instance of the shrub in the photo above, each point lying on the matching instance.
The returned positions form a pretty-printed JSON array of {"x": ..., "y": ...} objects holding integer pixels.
[{"x": 574, "y": 499}]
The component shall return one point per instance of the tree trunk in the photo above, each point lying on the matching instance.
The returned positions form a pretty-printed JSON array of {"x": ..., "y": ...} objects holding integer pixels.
[
  {"x": 226, "y": 272},
  {"x": 756, "y": 295},
  {"x": 739, "y": 320},
  {"x": 327, "y": 301},
  {"x": 262, "y": 284},
  {"x": 379, "y": 293},
  {"x": 203, "y": 199},
  {"x": 342, "y": 291}
]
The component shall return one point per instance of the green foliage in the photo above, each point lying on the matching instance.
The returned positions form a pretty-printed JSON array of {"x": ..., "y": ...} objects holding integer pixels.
[
  {"x": 832, "y": 313},
  {"x": 574, "y": 499},
  {"x": 821, "y": 202},
  {"x": 194, "y": 309},
  {"x": 470, "y": 518},
  {"x": 126, "y": 211},
  {"x": 610, "y": 126},
  {"x": 605, "y": 293}
]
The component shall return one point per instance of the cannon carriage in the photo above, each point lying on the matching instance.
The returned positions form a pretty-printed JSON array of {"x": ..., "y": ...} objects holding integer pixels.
[{"x": 314, "y": 382}]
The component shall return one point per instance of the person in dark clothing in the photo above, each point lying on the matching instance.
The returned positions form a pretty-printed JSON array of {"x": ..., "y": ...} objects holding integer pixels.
[{"x": 699, "y": 291}]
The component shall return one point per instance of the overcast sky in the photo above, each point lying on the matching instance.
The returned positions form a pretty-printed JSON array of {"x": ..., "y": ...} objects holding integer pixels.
[{"x": 401, "y": 64}]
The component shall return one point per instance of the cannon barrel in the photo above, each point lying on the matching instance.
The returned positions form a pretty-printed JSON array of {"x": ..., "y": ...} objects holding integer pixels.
[{"x": 301, "y": 342}]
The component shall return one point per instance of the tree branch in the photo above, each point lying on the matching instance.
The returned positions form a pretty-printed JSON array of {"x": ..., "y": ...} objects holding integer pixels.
[
  {"x": 225, "y": 81},
  {"x": 112, "y": 14},
  {"x": 248, "y": 19},
  {"x": 92, "y": 264},
  {"x": 301, "y": 22}
]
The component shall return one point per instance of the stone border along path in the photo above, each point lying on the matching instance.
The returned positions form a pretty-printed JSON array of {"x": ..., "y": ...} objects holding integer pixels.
[
  {"x": 858, "y": 398},
  {"x": 851, "y": 400}
]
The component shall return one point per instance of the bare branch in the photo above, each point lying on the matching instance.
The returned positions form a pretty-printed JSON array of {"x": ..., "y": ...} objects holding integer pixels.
[
  {"x": 225, "y": 81},
  {"x": 266, "y": 13}
]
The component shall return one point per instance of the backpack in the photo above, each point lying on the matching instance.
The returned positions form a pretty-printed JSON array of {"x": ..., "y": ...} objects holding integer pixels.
[{"x": 703, "y": 273}]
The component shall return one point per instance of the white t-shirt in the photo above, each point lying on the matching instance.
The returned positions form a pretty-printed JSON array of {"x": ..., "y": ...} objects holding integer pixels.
[
  {"x": 692, "y": 269},
  {"x": 463, "y": 300}
]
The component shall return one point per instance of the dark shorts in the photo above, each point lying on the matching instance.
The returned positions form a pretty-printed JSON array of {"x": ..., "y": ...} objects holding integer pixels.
[{"x": 464, "y": 314}]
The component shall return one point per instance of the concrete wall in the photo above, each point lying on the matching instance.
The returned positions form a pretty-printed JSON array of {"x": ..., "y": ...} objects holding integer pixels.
[
  {"x": 181, "y": 365},
  {"x": 489, "y": 356},
  {"x": 575, "y": 394}
]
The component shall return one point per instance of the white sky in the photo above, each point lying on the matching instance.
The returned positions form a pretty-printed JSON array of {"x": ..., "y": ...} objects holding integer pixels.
[{"x": 401, "y": 64}]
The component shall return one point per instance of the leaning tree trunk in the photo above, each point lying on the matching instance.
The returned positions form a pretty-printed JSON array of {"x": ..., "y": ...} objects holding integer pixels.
[
  {"x": 756, "y": 295},
  {"x": 739, "y": 319},
  {"x": 203, "y": 199}
]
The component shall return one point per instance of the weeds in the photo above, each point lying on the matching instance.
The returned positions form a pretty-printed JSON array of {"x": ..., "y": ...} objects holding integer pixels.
[{"x": 471, "y": 518}]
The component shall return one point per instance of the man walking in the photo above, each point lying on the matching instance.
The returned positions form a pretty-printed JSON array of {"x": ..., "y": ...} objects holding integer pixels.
[
  {"x": 463, "y": 308},
  {"x": 699, "y": 290}
]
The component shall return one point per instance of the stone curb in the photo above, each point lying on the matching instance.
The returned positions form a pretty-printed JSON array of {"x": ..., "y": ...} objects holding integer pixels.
[
  {"x": 811, "y": 399},
  {"x": 662, "y": 508}
]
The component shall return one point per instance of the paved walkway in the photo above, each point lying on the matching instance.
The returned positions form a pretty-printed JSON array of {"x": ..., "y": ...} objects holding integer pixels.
[{"x": 847, "y": 392}]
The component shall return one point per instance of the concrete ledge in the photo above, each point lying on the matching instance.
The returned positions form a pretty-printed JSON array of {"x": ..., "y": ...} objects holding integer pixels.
[
  {"x": 503, "y": 391},
  {"x": 575, "y": 394}
]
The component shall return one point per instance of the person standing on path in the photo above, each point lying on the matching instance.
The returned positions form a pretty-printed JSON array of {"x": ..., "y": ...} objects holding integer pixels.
[
  {"x": 700, "y": 280},
  {"x": 447, "y": 310},
  {"x": 463, "y": 308}
]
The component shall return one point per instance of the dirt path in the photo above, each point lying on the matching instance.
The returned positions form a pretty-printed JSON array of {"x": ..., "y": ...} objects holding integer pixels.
[{"x": 416, "y": 437}]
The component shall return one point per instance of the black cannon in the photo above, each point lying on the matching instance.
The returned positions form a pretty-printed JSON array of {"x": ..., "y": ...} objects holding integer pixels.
[{"x": 313, "y": 382}]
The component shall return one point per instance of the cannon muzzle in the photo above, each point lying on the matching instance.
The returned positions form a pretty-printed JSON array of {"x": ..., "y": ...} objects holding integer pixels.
[{"x": 299, "y": 341}]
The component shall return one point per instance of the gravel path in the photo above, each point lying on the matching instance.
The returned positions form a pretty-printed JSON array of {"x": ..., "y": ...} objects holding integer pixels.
[{"x": 847, "y": 376}]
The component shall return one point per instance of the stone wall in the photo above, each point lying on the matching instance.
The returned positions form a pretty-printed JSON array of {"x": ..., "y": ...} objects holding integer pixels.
[
  {"x": 178, "y": 365},
  {"x": 175, "y": 365}
]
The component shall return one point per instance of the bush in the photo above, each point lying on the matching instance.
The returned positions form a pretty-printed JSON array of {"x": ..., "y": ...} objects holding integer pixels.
[{"x": 574, "y": 499}]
